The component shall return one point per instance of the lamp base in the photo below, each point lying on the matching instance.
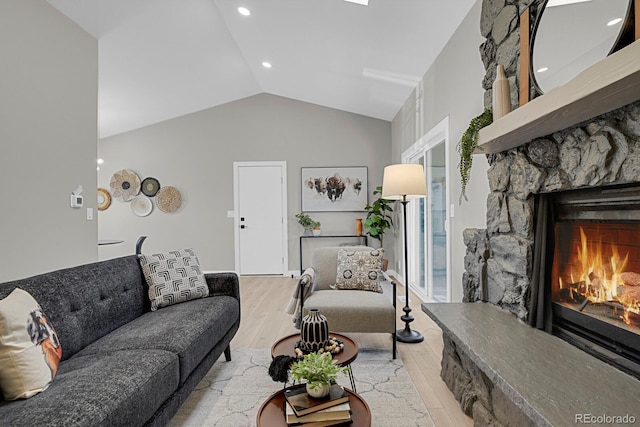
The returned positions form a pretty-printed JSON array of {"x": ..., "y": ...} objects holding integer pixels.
[{"x": 406, "y": 335}]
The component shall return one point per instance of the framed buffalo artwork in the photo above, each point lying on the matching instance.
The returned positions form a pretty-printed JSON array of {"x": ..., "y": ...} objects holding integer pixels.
[{"x": 334, "y": 189}]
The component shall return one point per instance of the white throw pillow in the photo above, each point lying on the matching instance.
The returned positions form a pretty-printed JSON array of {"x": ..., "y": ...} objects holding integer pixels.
[
  {"x": 29, "y": 347},
  {"x": 173, "y": 277}
]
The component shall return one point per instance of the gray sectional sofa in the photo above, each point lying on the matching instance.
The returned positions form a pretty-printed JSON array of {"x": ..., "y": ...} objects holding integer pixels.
[{"x": 122, "y": 364}]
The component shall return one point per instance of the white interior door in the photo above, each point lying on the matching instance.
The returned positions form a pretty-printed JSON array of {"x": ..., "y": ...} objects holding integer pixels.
[{"x": 260, "y": 217}]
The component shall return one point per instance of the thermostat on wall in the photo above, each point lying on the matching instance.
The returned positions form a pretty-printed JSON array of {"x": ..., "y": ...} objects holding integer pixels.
[
  {"x": 76, "y": 197},
  {"x": 76, "y": 200}
]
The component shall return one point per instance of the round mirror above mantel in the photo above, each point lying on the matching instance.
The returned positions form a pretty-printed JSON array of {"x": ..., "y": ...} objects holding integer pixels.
[{"x": 569, "y": 36}]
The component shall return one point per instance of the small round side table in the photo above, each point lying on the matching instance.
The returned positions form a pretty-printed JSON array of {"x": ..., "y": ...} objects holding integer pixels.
[{"x": 348, "y": 354}]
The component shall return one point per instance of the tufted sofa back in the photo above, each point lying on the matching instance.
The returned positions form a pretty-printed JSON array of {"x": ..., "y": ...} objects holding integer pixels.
[{"x": 87, "y": 302}]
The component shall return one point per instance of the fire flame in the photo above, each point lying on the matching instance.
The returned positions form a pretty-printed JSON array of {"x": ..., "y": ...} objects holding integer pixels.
[{"x": 599, "y": 276}]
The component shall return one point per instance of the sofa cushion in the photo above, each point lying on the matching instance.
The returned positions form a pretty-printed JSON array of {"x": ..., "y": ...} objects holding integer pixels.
[
  {"x": 118, "y": 388},
  {"x": 187, "y": 330},
  {"x": 359, "y": 270},
  {"x": 29, "y": 347},
  {"x": 173, "y": 277}
]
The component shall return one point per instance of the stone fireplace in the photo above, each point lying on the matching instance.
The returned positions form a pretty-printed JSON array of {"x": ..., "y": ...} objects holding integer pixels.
[
  {"x": 499, "y": 260},
  {"x": 599, "y": 153},
  {"x": 560, "y": 251}
]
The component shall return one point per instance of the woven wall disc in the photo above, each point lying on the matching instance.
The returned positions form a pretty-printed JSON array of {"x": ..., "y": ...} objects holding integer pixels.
[
  {"x": 104, "y": 199},
  {"x": 141, "y": 205},
  {"x": 150, "y": 186},
  {"x": 125, "y": 185},
  {"x": 168, "y": 199}
]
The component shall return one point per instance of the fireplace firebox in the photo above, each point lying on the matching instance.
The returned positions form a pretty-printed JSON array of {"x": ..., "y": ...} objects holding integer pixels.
[{"x": 593, "y": 273}]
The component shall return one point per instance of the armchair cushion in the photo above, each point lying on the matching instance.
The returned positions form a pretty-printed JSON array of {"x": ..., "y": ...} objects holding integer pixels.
[
  {"x": 359, "y": 270},
  {"x": 354, "y": 311}
]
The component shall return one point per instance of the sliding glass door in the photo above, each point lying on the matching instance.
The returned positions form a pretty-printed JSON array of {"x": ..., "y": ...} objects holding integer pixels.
[
  {"x": 436, "y": 223},
  {"x": 427, "y": 220}
]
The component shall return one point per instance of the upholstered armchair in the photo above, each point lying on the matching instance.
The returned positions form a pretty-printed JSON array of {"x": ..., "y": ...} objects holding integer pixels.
[{"x": 347, "y": 310}]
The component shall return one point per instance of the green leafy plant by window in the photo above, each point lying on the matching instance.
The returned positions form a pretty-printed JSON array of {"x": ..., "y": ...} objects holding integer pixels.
[
  {"x": 468, "y": 143},
  {"x": 378, "y": 216}
]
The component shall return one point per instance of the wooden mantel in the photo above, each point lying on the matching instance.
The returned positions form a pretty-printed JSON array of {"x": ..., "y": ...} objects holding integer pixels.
[{"x": 605, "y": 86}]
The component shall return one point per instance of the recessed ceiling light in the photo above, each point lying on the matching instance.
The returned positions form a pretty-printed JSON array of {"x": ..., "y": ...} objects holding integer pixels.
[
  {"x": 543, "y": 69},
  {"x": 244, "y": 11},
  {"x": 614, "y": 22},
  {"x": 362, "y": 2},
  {"x": 266, "y": 64}
]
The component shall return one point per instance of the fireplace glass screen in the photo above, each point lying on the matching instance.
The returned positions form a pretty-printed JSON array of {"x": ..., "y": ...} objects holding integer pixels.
[{"x": 595, "y": 272}]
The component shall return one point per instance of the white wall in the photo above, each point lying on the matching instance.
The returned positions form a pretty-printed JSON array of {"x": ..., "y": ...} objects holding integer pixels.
[
  {"x": 48, "y": 136},
  {"x": 453, "y": 88},
  {"x": 195, "y": 153}
]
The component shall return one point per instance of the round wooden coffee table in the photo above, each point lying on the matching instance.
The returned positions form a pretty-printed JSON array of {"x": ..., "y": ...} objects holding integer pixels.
[
  {"x": 287, "y": 344},
  {"x": 348, "y": 354},
  {"x": 271, "y": 413}
]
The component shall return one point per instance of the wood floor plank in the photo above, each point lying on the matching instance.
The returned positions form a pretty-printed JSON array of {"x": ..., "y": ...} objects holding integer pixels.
[{"x": 264, "y": 299}]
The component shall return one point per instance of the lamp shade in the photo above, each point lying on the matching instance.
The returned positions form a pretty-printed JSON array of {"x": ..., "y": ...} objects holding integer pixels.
[{"x": 405, "y": 180}]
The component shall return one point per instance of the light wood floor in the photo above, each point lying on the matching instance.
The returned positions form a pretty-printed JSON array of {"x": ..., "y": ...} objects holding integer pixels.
[{"x": 263, "y": 300}]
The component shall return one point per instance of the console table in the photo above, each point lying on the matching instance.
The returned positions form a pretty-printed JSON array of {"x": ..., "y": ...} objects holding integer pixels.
[{"x": 362, "y": 240}]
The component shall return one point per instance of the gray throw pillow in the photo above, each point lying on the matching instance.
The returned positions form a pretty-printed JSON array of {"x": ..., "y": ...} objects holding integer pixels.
[
  {"x": 359, "y": 270},
  {"x": 173, "y": 277}
]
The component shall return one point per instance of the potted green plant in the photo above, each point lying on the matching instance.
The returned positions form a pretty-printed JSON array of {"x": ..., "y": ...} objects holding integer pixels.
[
  {"x": 306, "y": 222},
  {"x": 467, "y": 145},
  {"x": 378, "y": 216},
  {"x": 379, "y": 219},
  {"x": 316, "y": 228},
  {"x": 319, "y": 370}
]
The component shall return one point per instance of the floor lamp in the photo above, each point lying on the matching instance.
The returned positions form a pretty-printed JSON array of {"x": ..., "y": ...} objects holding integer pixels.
[{"x": 403, "y": 182}]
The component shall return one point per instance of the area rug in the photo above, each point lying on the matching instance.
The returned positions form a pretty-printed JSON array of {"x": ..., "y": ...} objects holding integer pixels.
[{"x": 232, "y": 392}]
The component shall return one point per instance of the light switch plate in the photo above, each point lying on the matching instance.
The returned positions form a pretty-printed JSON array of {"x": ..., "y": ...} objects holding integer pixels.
[{"x": 89, "y": 214}]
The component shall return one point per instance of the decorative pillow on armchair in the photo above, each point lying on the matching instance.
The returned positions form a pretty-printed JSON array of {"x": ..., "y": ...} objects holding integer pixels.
[
  {"x": 359, "y": 270},
  {"x": 173, "y": 277},
  {"x": 29, "y": 347}
]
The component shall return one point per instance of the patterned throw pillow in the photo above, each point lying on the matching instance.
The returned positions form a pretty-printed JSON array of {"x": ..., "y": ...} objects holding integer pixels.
[
  {"x": 173, "y": 277},
  {"x": 29, "y": 347},
  {"x": 359, "y": 270}
]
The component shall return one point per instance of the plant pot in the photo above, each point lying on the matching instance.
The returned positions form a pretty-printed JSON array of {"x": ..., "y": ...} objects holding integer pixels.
[
  {"x": 316, "y": 232},
  {"x": 319, "y": 391}
]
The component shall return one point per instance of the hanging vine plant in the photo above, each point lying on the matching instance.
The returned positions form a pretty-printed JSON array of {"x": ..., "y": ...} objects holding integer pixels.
[{"x": 467, "y": 145}]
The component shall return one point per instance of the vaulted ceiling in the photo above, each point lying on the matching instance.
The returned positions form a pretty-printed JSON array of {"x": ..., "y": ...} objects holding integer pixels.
[{"x": 160, "y": 59}]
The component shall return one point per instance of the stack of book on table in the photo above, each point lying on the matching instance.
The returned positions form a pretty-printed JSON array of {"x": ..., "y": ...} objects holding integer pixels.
[{"x": 306, "y": 411}]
